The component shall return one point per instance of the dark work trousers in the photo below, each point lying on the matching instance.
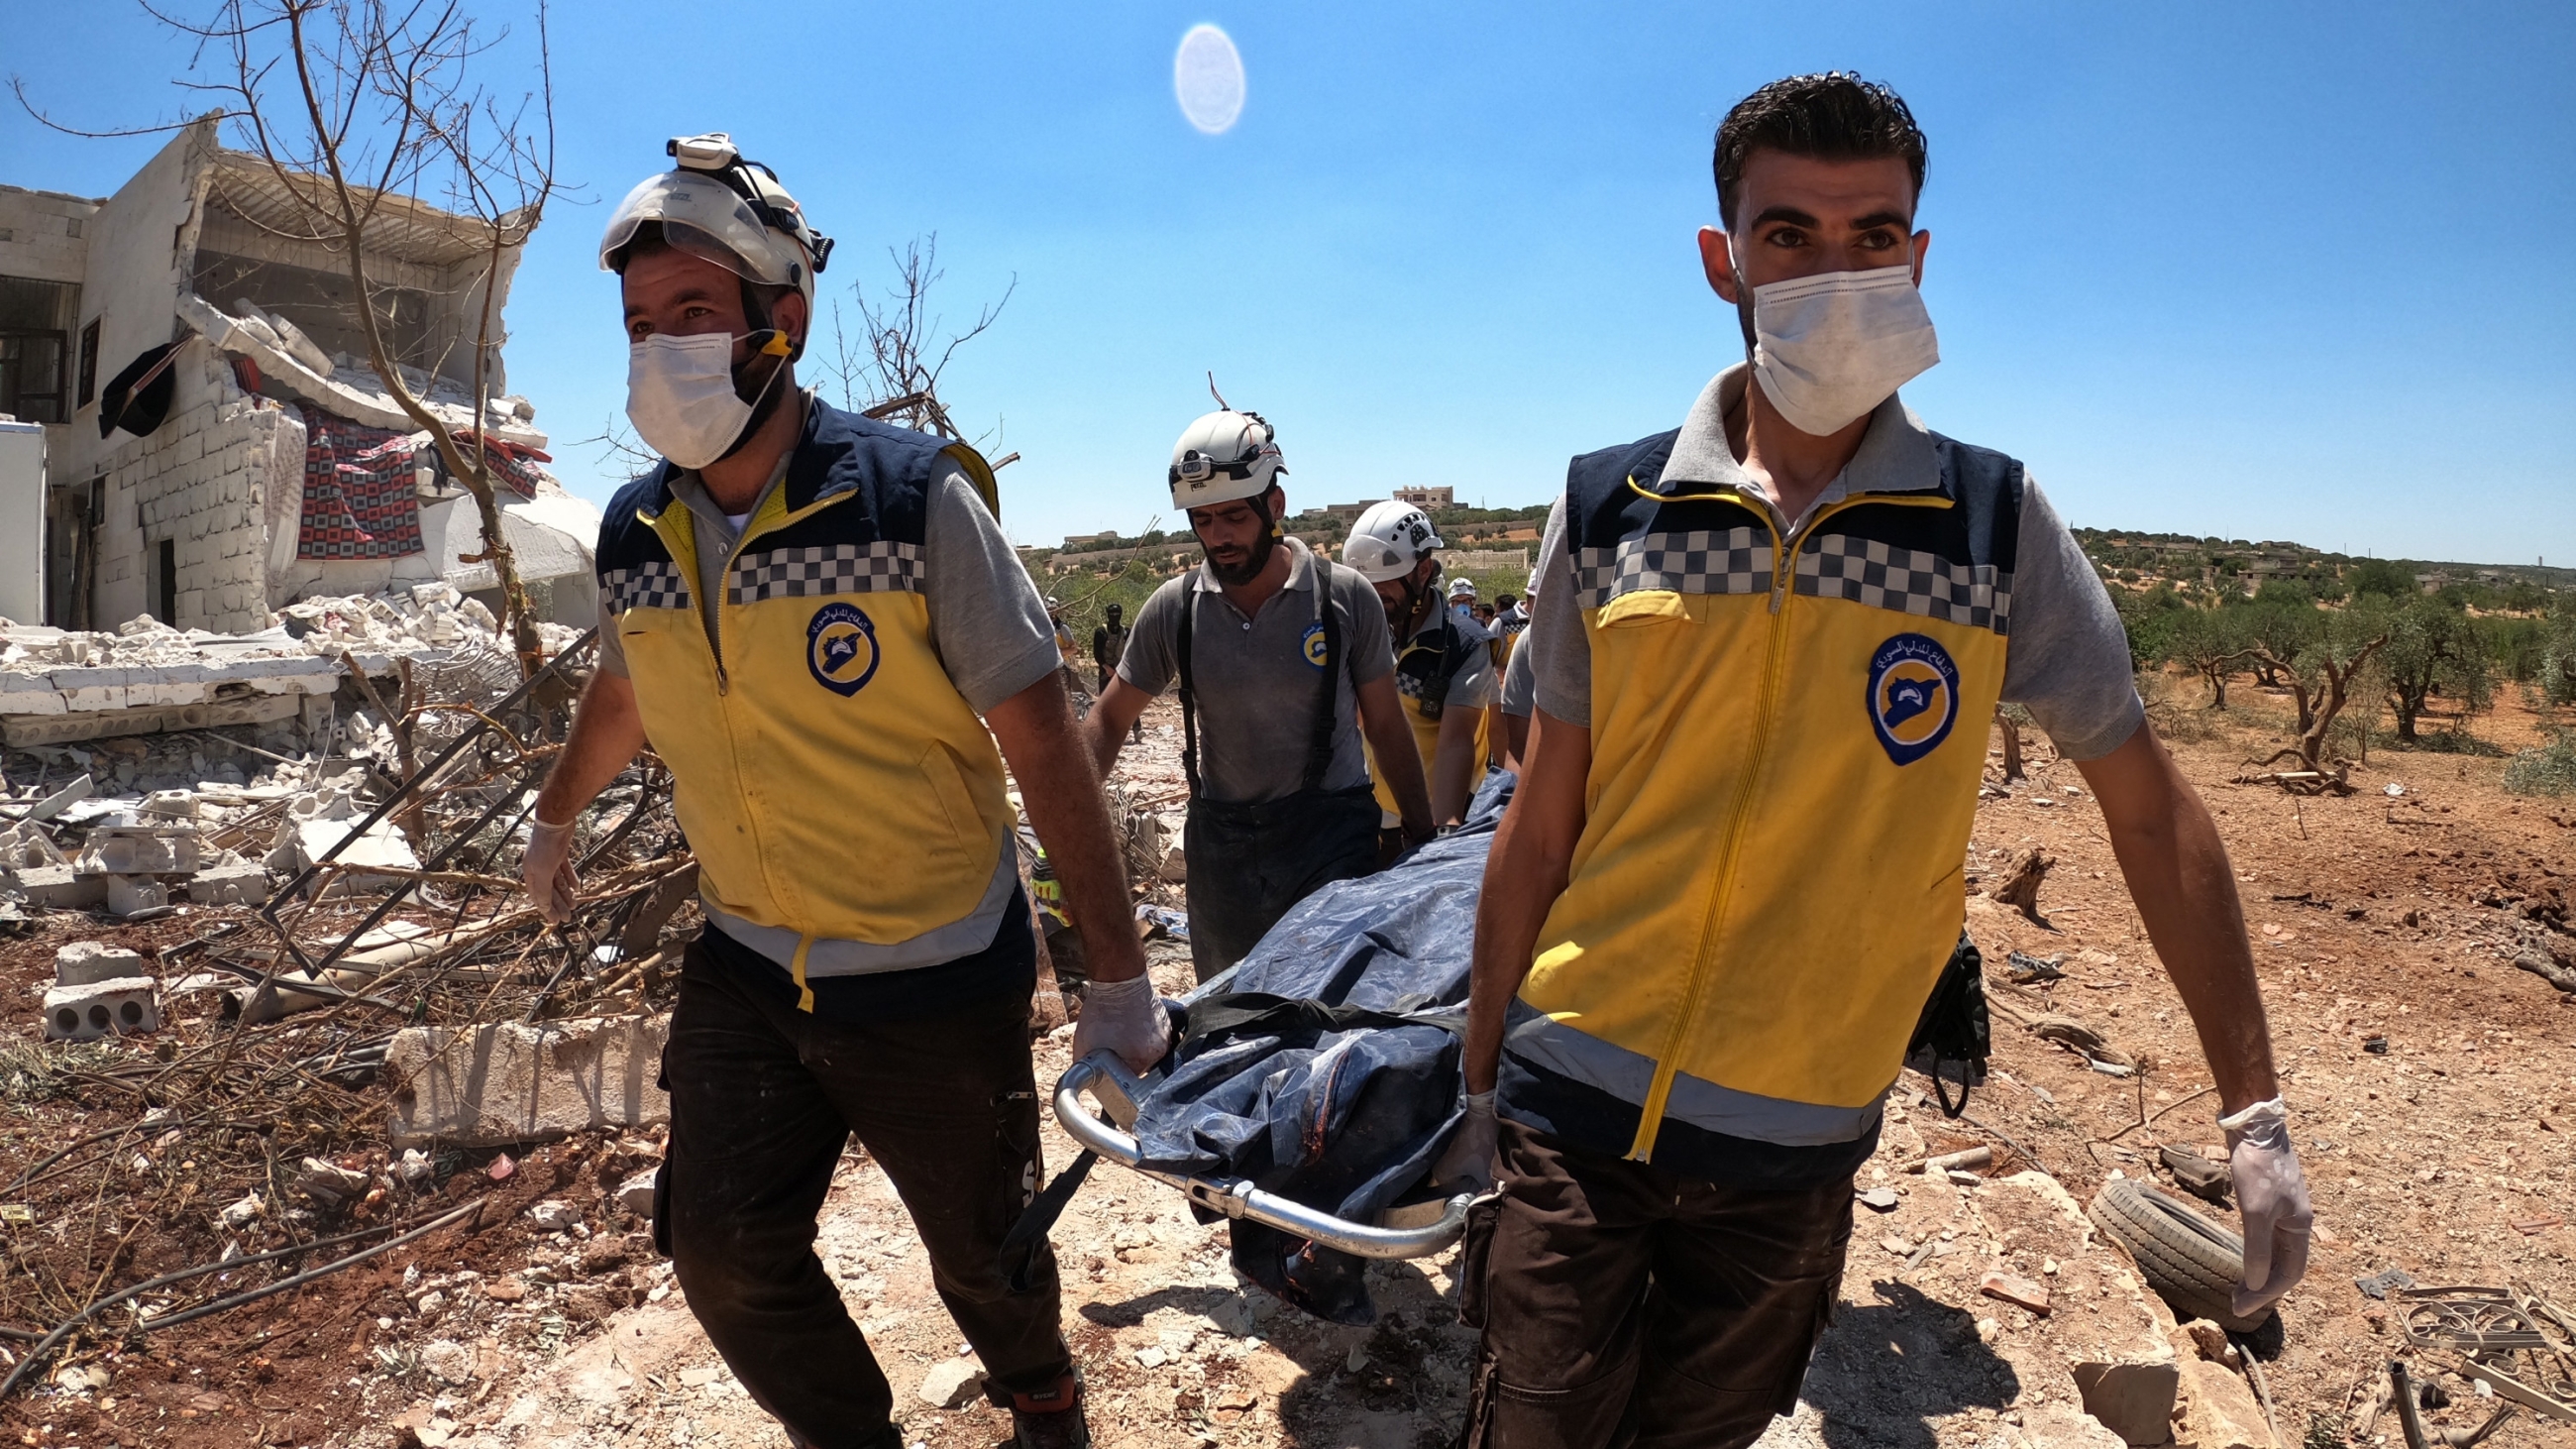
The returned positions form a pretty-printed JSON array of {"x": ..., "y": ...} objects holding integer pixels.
[
  {"x": 1623, "y": 1305},
  {"x": 763, "y": 1097},
  {"x": 1249, "y": 863}
]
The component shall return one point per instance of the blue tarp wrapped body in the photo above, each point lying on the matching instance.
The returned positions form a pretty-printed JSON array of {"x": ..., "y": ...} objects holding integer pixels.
[{"x": 1344, "y": 1120}]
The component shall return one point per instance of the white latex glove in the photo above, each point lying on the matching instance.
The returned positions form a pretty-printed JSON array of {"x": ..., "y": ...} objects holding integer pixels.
[
  {"x": 1468, "y": 1161},
  {"x": 2272, "y": 1196},
  {"x": 1125, "y": 1017},
  {"x": 547, "y": 870}
]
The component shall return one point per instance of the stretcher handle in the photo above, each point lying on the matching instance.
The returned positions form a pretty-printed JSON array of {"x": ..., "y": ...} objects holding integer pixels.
[{"x": 1101, "y": 1075}]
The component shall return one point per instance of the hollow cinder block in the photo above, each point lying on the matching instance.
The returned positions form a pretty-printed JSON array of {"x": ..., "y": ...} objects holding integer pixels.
[{"x": 119, "y": 1006}]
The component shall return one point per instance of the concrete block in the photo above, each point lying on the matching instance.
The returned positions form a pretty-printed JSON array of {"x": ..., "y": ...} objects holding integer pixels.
[
  {"x": 230, "y": 883},
  {"x": 59, "y": 888},
  {"x": 86, "y": 963},
  {"x": 30, "y": 694},
  {"x": 507, "y": 1082},
  {"x": 141, "y": 852},
  {"x": 130, "y": 894},
  {"x": 119, "y": 1006},
  {"x": 91, "y": 687}
]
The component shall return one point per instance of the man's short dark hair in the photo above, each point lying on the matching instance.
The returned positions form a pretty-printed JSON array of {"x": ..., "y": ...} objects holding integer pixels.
[{"x": 1835, "y": 116}]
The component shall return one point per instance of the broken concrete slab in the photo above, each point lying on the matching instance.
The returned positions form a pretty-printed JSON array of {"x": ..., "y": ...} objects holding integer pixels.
[
  {"x": 140, "y": 850},
  {"x": 121, "y": 1005},
  {"x": 86, "y": 963},
  {"x": 57, "y": 887},
  {"x": 505, "y": 1082},
  {"x": 379, "y": 845},
  {"x": 129, "y": 895},
  {"x": 62, "y": 799},
  {"x": 19, "y": 731},
  {"x": 234, "y": 882}
]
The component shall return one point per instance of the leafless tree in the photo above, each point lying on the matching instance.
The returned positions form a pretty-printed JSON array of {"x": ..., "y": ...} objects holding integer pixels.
[
  {"x": 897, "y": 376},
  {"x": 366, "y": 112}
]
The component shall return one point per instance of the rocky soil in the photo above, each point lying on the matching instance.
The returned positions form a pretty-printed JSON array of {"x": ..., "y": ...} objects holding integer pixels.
[{"x": 2380, "y": 921}]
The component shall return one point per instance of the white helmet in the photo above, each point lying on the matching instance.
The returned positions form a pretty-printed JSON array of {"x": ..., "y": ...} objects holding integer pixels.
[
  {"x": 1389, "y": 540},
  {"x": 718, "y": 207},
  {"x": 1532, "y": 590},
  {"x": 1461, "y": 587},
  {"x": 1224, "y": 456}
]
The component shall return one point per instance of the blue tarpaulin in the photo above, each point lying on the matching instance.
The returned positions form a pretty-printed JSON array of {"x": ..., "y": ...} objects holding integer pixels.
[{"x": 1349, "y": 1121}]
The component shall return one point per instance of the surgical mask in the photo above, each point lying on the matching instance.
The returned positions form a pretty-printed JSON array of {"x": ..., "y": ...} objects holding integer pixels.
[
  {"x": 682, "y": 396},
  {"x": 1829, "y": 348}
]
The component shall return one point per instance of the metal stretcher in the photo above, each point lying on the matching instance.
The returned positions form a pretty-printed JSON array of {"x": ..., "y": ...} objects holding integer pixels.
[{"x": 1408, "y": 1230}]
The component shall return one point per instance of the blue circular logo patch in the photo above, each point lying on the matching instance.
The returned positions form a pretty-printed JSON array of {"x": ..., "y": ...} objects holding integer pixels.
[
  {"x": 1913, "y": 696},
  {"x": 841, "y": 648},
  {"x": 1312, "y": 645}
]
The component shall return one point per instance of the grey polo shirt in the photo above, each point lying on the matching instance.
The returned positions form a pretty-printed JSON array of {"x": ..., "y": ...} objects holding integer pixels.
[
  {"x": 2067, "y": 660},
  {"x": 990, "y": 629},
  {"x": 1257, "y": 692}
]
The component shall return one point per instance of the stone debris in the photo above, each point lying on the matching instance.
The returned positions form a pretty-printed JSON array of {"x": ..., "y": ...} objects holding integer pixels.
[
  {"x": 331, "y": 1184},
  {"x": 2132, "y": 1400},
  {"x": 2020, "y": 1292},
  {"x": 952, "y": 1384},
  {"x": 635, "y": 1194},
  {"x": 83, "y": 963}
]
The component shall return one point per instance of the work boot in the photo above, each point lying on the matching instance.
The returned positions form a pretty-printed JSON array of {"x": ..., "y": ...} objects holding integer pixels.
[{"x": 1052, "y": 1420}]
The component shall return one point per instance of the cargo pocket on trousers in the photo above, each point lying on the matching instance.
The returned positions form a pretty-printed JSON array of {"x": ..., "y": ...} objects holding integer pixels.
[{"x": 1476, "y": 1248}]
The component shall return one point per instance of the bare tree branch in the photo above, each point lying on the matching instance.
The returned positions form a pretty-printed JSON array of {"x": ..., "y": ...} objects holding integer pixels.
[{"x": 386, "y": 113}]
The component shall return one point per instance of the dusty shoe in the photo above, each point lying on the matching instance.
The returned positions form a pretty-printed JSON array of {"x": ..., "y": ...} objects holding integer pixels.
[{"x": 1052, "y": 1420}]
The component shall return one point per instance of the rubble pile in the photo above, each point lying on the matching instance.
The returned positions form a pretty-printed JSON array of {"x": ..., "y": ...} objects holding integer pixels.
[
  {"x": 62, "y": 686},
  {"x": 268, "y": 928}
]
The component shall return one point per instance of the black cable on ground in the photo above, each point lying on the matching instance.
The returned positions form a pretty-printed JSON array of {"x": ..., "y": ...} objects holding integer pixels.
[{"x": 64, "y": 1329}]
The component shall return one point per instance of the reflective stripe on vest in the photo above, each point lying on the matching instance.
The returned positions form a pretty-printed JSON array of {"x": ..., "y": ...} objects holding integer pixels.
[
  {"x": 829, "y": 776},
  {"x": 1785, "y": 756}
]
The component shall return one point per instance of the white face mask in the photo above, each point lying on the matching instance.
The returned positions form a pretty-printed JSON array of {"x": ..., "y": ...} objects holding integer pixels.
[
  {"x": 680, "y": 396},
  {"x": 1830, "y": 348}
]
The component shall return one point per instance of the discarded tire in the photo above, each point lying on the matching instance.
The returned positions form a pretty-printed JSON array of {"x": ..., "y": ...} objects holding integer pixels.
[{"x": 2193, "y": 1263}]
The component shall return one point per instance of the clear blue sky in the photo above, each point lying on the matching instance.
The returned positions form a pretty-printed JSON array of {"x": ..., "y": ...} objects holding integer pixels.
[{"x": 2263, "y": 271}]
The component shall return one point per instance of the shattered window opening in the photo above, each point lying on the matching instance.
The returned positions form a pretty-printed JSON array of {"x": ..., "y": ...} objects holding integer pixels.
[{"x": 35, "y": 340}]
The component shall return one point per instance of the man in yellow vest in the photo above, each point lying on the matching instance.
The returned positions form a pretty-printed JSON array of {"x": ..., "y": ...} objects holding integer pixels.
[
  {"x": 1444, "y": 661},
  {"x": 815, "y": 618},
  {"x": 1764, "y": 651}
]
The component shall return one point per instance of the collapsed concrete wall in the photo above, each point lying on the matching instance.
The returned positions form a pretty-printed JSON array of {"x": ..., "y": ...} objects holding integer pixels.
[{"x": 202, "y": 520}]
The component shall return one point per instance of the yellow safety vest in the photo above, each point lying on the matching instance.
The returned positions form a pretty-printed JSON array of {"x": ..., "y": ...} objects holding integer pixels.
[{"x": 829, "y": 776}]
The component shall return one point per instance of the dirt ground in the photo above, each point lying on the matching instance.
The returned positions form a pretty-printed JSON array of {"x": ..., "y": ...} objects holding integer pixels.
[{"x": 2377, "y": 919}]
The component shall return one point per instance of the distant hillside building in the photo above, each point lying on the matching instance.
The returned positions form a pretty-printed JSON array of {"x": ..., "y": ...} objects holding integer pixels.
[{"x": 1428, "y": 497}]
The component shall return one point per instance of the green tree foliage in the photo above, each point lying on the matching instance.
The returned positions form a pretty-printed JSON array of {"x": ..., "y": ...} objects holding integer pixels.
[
  {"x": 2149, "y": 619},
  {"x": 2277, "y": 628},
  {"x": 2434, "y": 650},
  {"x": 2385, "y": 577},
  {"x": 2211, "y": 643},
  {"x": 2557, "y": 673}
]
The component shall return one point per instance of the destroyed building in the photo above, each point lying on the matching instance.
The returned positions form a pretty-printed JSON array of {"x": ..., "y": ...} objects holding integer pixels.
[{"x": 250, "y": 456}]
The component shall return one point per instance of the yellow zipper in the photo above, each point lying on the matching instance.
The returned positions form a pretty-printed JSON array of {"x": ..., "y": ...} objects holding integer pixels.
[{"x": 1659, "y": 1091}]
